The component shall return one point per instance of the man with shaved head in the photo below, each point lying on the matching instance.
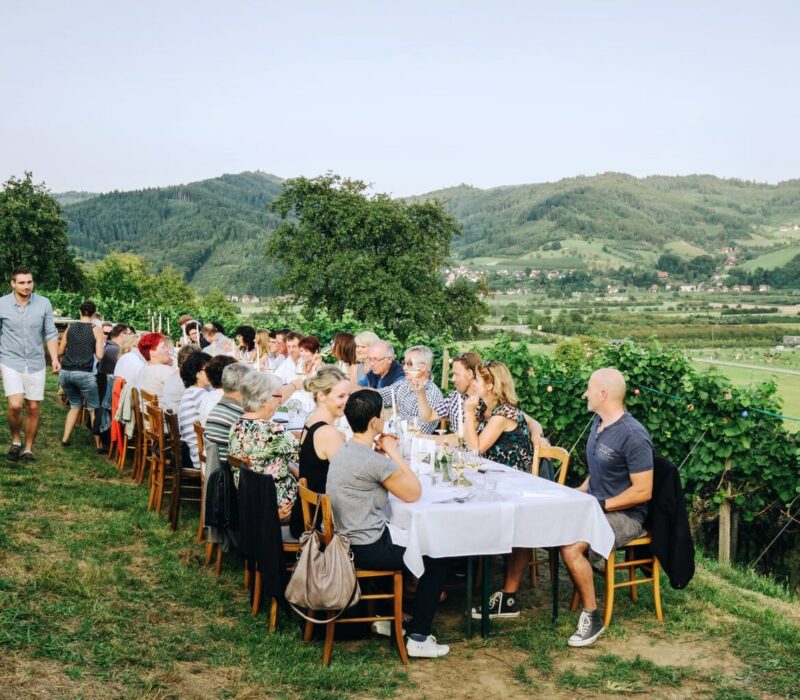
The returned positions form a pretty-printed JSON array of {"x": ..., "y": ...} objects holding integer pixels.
[
  {"x": 384, "y": 370},
  {"x": 619, "y": 453}
]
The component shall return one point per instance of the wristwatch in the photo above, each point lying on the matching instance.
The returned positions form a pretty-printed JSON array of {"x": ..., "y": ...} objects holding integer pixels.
[{"x": 602, "y": 502}]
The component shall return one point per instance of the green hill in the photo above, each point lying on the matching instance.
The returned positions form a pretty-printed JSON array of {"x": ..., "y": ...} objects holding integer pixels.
[
  {"x": 214, "y": 230},
  {"x": 613, "y": 219}
]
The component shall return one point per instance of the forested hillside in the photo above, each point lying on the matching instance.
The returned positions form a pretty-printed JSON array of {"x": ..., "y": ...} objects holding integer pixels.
[{"x": 215, "y": 230}]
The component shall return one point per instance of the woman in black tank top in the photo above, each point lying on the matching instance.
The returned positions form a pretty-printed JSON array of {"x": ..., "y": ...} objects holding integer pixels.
[
  {"x": 319, "y": 439},
  {"x": 80, "y": 344}
]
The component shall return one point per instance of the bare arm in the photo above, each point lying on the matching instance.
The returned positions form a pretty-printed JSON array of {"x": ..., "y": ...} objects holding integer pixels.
[
  {"x": 585, "y": 486},
  {"x": 426, "y": 413},
  {"x": 326, "y": 441},
  {"x": 54, "y": 351},
  {"x": 496, "y": 426},
  {"x": 99, "y": 342},
  {"x": 403, "y": 483},
  {"x": 640, "y": 491}
]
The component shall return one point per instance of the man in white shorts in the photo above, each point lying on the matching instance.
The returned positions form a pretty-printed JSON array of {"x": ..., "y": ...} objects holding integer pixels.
[{"x": 26, "y": 324}]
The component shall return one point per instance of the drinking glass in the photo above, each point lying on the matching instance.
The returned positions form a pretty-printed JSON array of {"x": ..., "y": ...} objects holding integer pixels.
[{"x": 458, "y": 465}]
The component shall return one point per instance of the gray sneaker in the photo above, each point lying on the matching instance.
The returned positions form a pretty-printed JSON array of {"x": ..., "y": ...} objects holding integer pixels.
[{"x": 590, "y": 627}]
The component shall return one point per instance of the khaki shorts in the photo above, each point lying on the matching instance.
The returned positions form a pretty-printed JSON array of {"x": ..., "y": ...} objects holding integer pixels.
[
  {"x": 625, "y": 528},
  {"x": 31, "y": 384}
]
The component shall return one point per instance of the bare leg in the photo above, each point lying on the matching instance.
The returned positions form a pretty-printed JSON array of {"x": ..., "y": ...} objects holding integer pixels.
[
  {"x": 31, "y": 423},
  {"x": 574, "y": 556},
  {"x": 69, "y": 424},
  {"x": 97, "y": 442},
  {"x": 516, "y": 564},
  {"x": 15, "y": 418}
]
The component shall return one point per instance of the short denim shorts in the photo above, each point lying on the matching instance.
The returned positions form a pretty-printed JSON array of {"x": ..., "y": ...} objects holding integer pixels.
[{"x": 79, "y": 386}]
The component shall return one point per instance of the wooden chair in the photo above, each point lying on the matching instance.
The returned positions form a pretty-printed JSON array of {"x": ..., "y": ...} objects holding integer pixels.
[
  {"x": 146, "y": 437},
  {"x": 309, "y": 500},
  {"x": 648, "y": 563},
  {"x": 187, "y": 484},
  {"x": 157, "y": 440},
  {"x": 201, "y": 451},
  {"x": 235, "y": 463},
  {"x": 560, "y": 455}
]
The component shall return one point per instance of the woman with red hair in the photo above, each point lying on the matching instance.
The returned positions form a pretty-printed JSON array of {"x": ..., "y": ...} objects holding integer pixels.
[{"x": 156, "y": 349}]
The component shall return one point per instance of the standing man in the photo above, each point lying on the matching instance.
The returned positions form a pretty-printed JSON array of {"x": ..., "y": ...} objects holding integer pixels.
[
  {"x": 619, "y": 453},
  {"x": 26, "y": 323}
]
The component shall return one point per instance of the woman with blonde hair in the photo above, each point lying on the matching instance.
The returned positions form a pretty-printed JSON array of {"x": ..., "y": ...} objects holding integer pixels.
[
  {"x": 262, "y": 349},
  {"x": 319, "y": 439},
  {"x": 364, "y": 341},
  {"x": 497, "y": 429}
]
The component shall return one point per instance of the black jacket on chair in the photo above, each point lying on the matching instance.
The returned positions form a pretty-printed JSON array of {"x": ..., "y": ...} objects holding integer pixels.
[
  {"x": 260, "y": 531},
  {"x": 668, "y": 523}
]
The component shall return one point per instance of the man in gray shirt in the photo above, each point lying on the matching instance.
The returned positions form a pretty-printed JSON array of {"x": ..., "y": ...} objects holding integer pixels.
[{"x": 26, "y": 324}]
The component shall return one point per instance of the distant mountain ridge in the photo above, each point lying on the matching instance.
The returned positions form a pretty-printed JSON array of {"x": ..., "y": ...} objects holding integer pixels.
[{"x": 214, "y": 230}]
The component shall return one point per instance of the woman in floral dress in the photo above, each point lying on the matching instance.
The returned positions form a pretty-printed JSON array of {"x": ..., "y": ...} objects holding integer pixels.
[
  {"x": 498, "y": 428},
  {"x": 269, "y": 449}
]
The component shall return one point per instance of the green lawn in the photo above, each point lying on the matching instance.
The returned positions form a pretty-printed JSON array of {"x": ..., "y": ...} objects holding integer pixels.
[
  {"x": 772, "y": 260},
  {"x": 99, "y": 599}
]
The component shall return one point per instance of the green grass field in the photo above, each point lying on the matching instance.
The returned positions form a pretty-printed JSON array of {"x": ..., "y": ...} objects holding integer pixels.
[
  {"x": 770, "y": 261},
  {"x": 99, "y": 599}
]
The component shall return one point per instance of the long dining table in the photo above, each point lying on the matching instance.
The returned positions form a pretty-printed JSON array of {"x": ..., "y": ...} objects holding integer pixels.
[{"x": 521, "y": 511}]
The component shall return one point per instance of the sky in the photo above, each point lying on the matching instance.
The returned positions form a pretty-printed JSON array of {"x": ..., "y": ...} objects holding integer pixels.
[{"x": 408, "y": 96}]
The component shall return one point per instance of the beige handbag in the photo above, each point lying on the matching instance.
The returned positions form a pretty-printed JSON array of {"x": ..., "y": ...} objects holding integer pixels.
[{"x": 323, "y": 579}]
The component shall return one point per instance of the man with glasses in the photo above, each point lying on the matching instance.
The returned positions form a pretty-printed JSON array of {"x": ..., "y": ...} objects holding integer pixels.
[
  {"x": 385, "y": 370},
  {"x": 417, "y": 363}
]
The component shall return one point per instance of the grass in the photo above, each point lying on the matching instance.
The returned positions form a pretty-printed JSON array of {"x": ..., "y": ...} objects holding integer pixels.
[
  {"x": 770, "y": 261},
  {"x": 99, "y": 599}
]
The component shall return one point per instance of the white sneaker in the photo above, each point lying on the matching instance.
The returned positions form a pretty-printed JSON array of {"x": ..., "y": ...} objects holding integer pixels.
[
  {"x": 427, "y": 649},
  {"x": 385, "y": 628}
]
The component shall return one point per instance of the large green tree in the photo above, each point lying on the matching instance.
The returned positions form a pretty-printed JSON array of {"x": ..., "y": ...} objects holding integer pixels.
[
  {"x": 376, "y": 257},
  {"x": 34, "y": 233}
]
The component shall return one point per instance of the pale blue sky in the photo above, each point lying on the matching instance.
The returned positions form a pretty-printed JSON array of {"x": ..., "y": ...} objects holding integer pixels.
[{"x": 410, "y": 96}]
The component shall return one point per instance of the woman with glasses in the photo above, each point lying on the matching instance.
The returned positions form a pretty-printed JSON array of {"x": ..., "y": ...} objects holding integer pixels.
[
  {"x": 269, "y": 448},
  {"x": 193, "y": 375}
]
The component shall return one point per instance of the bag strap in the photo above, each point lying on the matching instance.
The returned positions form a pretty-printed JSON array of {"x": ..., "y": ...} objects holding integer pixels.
[{"x": 331, "y": 619}]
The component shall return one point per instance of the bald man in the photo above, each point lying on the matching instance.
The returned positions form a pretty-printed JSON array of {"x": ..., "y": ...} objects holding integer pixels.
[{"x": 619, "y": 453}]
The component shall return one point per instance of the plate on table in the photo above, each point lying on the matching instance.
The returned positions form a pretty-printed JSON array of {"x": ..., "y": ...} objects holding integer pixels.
[{"x": 279, "y": 419}]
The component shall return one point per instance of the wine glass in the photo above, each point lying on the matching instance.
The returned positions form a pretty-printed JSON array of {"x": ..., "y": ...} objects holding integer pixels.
[
  {"x": 458, "y": 464},
  {"x": 414, "y": 426}
]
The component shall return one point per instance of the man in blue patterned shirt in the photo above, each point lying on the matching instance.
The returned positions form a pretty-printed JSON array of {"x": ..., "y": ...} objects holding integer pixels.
[{"x": 26, "y": 324}]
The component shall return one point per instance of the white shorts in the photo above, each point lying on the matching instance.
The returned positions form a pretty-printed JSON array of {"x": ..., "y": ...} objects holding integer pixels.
[{"x": 31, "y": 384}]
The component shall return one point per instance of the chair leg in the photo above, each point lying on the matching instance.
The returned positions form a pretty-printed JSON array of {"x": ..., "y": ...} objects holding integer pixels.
[
  {"x": 398, "y": 618},
  {"x": 309, "y": 630},
  {"x": 246, "y": 575},
  {"x": 209, "y": 552},
  {"x": 201, "y": 530},
  {"x": 610, "y": 580},
  {"x": 657, "y": 588},
  {"x": 328, "y": 648},
  {"x": 273, "y": 614},
  {"x": 218, "y": 566},
  {"x": 534, "y": 569},
  {"x": 631, "y": 575},
  {"x": 257, "y": 593}
]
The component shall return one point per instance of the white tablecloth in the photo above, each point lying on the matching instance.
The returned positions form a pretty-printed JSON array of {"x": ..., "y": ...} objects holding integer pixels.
[{"x": 525, "y": 511}]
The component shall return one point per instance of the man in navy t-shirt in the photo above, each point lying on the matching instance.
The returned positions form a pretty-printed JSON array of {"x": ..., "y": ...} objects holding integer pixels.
[{"x": 619, "y": 453}]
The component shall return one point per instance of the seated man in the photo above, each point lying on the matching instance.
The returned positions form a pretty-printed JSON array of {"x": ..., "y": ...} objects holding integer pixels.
[
  {"x": 417, "y": 367},
  {"x": 385, "y": 370},
  {"x": 287, "y": 371},
  {"x": 619, "y": 453},
  {"x": 360, "y": 479}
]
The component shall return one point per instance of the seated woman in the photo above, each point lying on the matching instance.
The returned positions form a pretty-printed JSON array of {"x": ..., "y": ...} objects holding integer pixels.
[
  {"x": 193, "y": 374},
  {"x": 211, "y": 398},
  {"x": 310, "y": 358},
  {"x": 319, "y": 440},
  {"x": 246, "y": 345},
  {"x": 269, "y": 449},
  {"x": 364, "y": 341},
  {"x": 157, "y": 352},
  {"x": 344, "y": 350},
  {"x": 362, "y": 474},
  {"x": 498, "y": 428}
]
